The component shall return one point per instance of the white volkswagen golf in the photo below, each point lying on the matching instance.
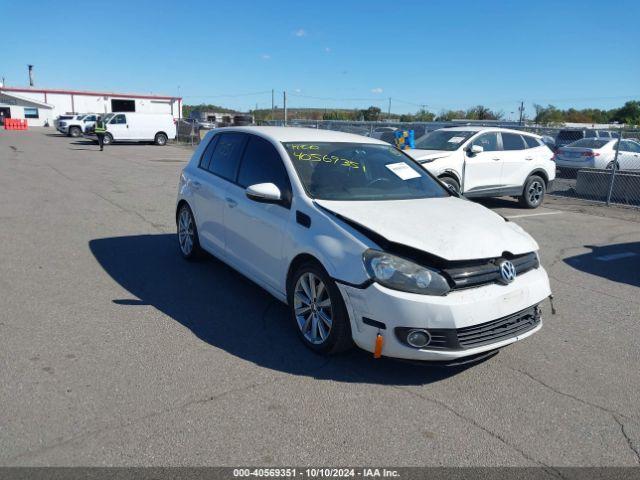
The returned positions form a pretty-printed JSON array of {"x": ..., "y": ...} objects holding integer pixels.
[{"x": 361, "y": 243}]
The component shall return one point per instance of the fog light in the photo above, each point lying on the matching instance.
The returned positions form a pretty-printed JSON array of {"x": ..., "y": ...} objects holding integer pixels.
[{"x": 418, "y": 338}]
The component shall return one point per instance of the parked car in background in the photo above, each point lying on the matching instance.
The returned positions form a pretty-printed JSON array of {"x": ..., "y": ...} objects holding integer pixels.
[
  {"x": 488, "y": 162},
  {"x": 139, "y": 127},
  {"x": 598, "y": 153},
  {"x": 549, "y": 141},
  {"x": 361, "y": 243},
  {"x": 379, "y": 131},
  {"x": 565, "y": 137},
  {"x": 60, "y": 118},
  {"x": 78, "y": 124},
  {"x": 63, "y": 124}
]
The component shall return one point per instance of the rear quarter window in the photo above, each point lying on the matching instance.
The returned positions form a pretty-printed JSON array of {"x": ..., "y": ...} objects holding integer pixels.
[{"x": 532, "y": 142}]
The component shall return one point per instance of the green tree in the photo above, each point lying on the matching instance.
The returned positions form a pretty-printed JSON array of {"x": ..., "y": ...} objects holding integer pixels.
[
  {"x": 480, "y": 112},
  {"x": 371, "y": 114},
  {"x": 629, "y": 113}
]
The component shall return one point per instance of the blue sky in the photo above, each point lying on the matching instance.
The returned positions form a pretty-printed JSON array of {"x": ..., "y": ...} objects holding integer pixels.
[{"x": 443, "y": 54}]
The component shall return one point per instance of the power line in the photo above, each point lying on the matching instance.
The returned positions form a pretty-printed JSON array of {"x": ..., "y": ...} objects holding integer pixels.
[{"x": 229, "y": 95}]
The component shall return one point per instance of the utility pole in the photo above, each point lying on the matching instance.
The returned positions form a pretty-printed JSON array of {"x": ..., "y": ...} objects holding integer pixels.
[
  {"x": 521, "y": 109},
  {"x": 389, "y": 111},
  {"x": 284, "y": 100},
  {"x": 272, "y": 106}
]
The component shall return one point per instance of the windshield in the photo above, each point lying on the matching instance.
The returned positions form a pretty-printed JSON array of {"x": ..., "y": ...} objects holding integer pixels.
[
  {"x": 589, "y": 143},
  {"x": 448, "y": 140},
  {"x": 360, "y": 171},
  {"x": 107, "y": 117}
]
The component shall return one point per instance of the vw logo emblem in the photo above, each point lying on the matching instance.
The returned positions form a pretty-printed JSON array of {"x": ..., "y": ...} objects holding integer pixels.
[{"x": 507, "y": 272}]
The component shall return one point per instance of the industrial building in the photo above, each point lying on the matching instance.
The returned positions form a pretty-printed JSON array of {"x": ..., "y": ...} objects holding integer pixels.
[{"x": 41, "y": 106}]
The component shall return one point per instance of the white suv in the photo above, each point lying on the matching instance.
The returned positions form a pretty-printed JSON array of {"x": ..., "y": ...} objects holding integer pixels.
[
  {"x": 361, "y": 243},
  {"x": 77, "y": 124},
  {"x": 488, "y": 162}
]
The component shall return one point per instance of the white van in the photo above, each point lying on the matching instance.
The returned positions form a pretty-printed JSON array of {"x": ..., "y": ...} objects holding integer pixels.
[{"x": 139, "y": 127}]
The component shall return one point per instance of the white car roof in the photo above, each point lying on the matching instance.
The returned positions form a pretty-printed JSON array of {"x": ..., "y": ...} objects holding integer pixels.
[
  {"x": 294, "y": 134},
  {"x": 473, "y": 128}
]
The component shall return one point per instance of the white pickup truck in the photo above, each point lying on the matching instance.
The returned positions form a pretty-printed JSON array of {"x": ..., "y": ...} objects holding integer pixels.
[{"x": 78, "y": 124}]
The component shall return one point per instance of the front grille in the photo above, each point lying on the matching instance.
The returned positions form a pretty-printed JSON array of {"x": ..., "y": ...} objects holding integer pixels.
[
  {"x": 497, "y": 330},
  {"x": 476, "y": 274},
  {"x": 479, "y": 335}
]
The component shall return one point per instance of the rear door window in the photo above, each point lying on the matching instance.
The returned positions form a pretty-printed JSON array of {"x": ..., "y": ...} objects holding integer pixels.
[
  {"x": 627, "y": 146},
  {"x": 512, "y": 141},
  {"x": 205, "y": 159},
  {"x": 226, "y": 155}
]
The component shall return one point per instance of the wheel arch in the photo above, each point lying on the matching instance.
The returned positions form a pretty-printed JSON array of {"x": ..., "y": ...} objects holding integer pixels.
[
  {"x": 179, "y": 206},
  {"x": 541, "y": 173},
  {"x": 295, "y": 263},
  {"x": 451, "y": 174}
]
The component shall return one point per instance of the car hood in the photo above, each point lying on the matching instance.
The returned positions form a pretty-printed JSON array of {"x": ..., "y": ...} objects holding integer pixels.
[
  {"x": 450, "y": 228},
  {"x": 427, "y": 155}
]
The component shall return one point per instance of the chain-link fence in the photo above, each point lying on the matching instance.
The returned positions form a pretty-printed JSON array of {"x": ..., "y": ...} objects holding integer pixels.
[{"x": 603, "y": 168}]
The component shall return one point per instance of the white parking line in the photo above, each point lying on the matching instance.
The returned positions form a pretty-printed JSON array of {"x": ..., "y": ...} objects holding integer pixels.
[
  {"x": 616, "y": 256},
  {"x": 555, "y": 212}
]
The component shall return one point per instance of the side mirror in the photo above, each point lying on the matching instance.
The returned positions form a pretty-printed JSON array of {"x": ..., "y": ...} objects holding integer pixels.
[
  {"x": 475, "y": 149},
  {"x": 264, "y": 192}
]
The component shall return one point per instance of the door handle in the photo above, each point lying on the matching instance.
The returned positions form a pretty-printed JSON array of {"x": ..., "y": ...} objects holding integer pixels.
[
  {"x": 196, "y": 184},
  {"x": 496, "y": 159},
  {"x": 231, "y": 202},
  {"x": 528, "y": 158}
]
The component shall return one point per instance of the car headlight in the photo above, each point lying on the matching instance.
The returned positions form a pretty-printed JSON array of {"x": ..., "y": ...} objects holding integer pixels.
[{"x": 404, "y": 275}]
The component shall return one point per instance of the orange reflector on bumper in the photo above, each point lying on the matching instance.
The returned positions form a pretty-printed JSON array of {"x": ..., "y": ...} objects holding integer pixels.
[{"x": 377, "y": 352}]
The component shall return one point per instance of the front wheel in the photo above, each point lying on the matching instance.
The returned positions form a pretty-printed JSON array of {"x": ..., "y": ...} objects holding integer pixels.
[
  {"x": 318, "y": 310},
  {"x": 160, "y": 139},
  {"x": 533, "y": 193},
  {"x": 452, "y": 183},
  {"x": 107, "y": 139},
  {"x": 75, "y": 132}
]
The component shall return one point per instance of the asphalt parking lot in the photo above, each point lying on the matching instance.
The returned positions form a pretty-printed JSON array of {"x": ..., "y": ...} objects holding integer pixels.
[{"x": 114, "y": 351}]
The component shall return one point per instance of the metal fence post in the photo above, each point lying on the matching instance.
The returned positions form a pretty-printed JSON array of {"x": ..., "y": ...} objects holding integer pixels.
[{"x": 614, "y": 168}]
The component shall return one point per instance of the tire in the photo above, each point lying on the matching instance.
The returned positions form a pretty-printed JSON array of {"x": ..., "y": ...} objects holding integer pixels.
[
  {"x": 187, "y": 234},
  {"x": 75, "y": 132},
  {"x": 611, "y": 165},
  {"x": 312, "y": 322},
  {"x": 533, "y": 192},
  {"x": 108, "y": 139},
  {"x": 160, "y": 139},
  {"x": 452, "y": 182}
]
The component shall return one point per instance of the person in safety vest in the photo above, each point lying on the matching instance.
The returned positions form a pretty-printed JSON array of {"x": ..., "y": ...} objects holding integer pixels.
[{"x": 100, "y": 129}]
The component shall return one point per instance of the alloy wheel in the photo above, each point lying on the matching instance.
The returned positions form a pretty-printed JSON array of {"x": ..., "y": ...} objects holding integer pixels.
[
  {"x": 313, "y": 309},
  {"x": 536, "y": 190},
  {"x": 185, "y": 231}
]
